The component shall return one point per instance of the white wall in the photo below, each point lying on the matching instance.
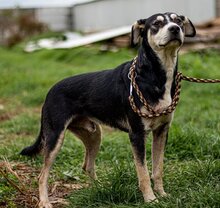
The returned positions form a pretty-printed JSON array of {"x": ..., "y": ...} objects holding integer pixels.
[
  {"x": 107, "y": 14},
  {"x": 56, "y": 18}
]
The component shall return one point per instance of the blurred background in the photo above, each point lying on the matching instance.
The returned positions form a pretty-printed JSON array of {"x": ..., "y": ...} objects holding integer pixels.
[
  {"x": 102, "y": 28},
  {"x": 23, "y": 18}
]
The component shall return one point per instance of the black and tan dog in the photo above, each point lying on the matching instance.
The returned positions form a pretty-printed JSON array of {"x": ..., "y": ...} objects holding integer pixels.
[{"x": 81, "y": 102}]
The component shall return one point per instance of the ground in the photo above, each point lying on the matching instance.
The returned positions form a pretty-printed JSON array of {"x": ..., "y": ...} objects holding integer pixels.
[{"x": 192, "y": 160}]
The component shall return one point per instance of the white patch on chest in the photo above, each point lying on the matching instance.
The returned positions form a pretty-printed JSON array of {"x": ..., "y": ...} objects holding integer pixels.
[
  {"x": 151, "y": 124},
  {"x": 168, "y": 60}
]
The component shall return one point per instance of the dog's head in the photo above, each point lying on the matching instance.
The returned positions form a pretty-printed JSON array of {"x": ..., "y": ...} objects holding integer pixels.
[{"x": 162, "y": 31}]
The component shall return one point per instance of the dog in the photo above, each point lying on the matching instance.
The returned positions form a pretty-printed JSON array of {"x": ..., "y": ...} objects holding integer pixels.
[{"x": 80, "y": 103}]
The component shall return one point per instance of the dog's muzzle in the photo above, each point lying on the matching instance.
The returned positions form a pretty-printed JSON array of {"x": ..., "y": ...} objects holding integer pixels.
[
  {"x": 174, "y": 30},
  {"x": 174, "y": 36}
]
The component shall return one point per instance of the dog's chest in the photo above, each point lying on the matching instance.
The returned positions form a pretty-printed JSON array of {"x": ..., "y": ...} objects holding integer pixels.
[
  {"x": 168, "y": 62},
  {"x": 165, "y": 101},
  {"x": 151, "y": 124}
]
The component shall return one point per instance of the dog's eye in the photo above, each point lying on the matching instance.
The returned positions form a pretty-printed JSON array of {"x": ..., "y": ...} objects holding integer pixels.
[
  {"x": 157, "y": 23},
  {"x": 178, "y": 21}
]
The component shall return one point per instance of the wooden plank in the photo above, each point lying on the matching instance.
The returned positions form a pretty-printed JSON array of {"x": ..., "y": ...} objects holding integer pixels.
[
  {"x": 85, "y": 40},
  {"x": 93, "y": 38}
]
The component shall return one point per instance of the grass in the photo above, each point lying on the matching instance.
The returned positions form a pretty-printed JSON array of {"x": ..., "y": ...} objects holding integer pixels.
[{"x": 192, "y": 162}]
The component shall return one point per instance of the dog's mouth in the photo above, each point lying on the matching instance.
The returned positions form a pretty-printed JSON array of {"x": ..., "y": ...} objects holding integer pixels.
[{"x": 173, "y": 41}]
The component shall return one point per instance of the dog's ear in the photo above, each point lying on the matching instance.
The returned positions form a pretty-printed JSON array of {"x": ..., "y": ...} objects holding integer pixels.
[
  {"x": 137, "y": 31},
  {"x": 189, "y": 28}
]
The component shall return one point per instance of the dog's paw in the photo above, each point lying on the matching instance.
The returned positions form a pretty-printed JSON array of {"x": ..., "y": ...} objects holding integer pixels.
[
  {"x": 164, "y": 194},
  {"x": 150, "y": 198},
  {"x": 161, "y": 192},
  {"x": 45, "y": 204}
]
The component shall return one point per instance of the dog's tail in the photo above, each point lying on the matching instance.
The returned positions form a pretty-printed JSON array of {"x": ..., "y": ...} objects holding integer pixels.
[{"x": 33, "y": 149}]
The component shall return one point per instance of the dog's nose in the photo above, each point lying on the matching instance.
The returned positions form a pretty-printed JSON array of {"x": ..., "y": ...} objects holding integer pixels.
[{"x": 174, "y": 29}]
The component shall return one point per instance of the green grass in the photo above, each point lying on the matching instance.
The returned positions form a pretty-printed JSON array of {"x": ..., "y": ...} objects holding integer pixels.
[{"x": 192, "y": 162}]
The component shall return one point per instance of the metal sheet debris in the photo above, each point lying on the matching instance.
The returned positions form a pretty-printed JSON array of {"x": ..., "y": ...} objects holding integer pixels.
[{"x": 73, "y": 40}]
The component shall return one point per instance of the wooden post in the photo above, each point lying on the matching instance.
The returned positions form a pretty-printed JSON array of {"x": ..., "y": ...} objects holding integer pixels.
[{"x": 217, "y": 8}]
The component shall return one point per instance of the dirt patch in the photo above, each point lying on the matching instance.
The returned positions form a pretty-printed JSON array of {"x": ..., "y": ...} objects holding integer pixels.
[
  {"x": 23, "y": 179},
  {"x": 5, "y": 117}
]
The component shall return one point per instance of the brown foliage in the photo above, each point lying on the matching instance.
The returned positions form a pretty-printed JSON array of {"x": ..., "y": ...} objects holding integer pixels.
[
  {"x": 16, "y": 25},
  {"x": 23, "y": 179}
]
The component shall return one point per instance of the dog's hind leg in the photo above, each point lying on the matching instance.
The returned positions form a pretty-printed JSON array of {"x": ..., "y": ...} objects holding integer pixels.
[
  {"x": 49, "y": 157},
  {"x": 159, "y": 141},
  {"x": 89, "y": 132},
  {"x": 52, "y": 144},
  {"x": 138, "y": 148}
]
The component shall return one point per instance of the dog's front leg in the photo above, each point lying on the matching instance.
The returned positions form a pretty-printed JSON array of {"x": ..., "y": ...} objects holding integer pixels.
[
  {"x": 159, "y": 141},
  {"x": 138, "y": 148}
]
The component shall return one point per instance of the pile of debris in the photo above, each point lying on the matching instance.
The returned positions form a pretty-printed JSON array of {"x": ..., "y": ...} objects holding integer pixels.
[{"x": 208, "y": 37}]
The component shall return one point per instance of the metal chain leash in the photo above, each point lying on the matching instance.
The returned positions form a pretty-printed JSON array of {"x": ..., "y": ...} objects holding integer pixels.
[{"x": 151, "y": 113}]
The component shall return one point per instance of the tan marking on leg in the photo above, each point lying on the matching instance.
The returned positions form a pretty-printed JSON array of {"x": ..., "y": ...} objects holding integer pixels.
[
  {"x": 44, "y": 175},
  {"x": 91, "y": 141},
  {"x": 157, "y": 161},
  {"x": 43, "y": 191},
  {"x": 143, "y": 179},
  {"x": 92, "y": 144},
  {"x": 43, "y": 178}
]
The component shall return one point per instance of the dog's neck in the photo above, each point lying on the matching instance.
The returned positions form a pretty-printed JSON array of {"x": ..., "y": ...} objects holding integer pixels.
[
  {"x": 162, "y": 65},
  {"x": 168, "y": 59},
  {"x": 161, "y": 60}
]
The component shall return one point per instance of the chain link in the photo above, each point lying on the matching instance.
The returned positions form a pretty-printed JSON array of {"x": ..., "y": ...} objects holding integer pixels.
[{"x": 151, "y": 113}]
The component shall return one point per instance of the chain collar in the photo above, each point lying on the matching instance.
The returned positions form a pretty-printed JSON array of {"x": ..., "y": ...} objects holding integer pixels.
[{"x": 151, "y": 113}]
